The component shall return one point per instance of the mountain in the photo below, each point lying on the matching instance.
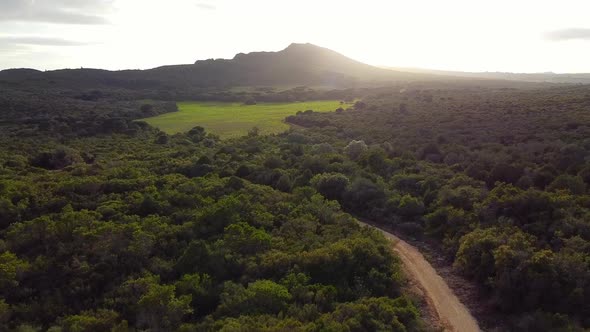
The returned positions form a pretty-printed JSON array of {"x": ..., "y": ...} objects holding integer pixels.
[
  {"x": 314, "y": 64},
  {"x": 298, "y": 64}
]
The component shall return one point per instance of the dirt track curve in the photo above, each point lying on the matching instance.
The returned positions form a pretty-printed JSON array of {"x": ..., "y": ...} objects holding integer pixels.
[{"x": 451, "y": 312}]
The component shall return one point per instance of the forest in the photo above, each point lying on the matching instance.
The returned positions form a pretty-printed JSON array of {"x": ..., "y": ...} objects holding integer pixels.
[{"x": 109, "y": 224}]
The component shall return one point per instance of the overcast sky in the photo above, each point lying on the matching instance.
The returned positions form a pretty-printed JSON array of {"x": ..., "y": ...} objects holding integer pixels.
[{"x": 469, "y": 35}]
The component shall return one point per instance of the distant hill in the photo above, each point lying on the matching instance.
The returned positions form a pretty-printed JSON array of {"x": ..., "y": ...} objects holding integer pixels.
[
  {"x": 298, "y": 64},
  {"x": 582, "y": 78}
]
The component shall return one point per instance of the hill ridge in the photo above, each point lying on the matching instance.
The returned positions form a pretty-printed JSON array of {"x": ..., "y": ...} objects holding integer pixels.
[{"x": 297, "y": 64}]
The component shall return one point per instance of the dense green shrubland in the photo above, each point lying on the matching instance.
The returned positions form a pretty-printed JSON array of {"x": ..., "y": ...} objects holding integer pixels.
[
  {"x": 498, "y": 177},
  {"x": 141, "y": 230},
  {"x": 138, "y": 228}
]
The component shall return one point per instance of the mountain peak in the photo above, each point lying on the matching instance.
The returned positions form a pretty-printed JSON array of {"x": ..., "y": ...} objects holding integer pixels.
[
  {"x": 294, "y": 48},
  {"x": 301, "y": 46},
  {"x": 306, "y": 48}
]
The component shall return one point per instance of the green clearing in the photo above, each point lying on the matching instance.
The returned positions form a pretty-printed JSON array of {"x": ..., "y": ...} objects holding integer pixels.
[{"x": 235, "y": 119}]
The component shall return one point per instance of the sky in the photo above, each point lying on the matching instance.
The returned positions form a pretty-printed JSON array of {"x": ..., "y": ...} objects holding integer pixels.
[{"x": 465, "y": 35}]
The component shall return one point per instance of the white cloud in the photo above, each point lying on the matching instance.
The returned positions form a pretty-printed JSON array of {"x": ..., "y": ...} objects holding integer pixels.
[
  {"x": 35, "y": 40},
  {"x": 206, "y": 6},
  {"x": 569, "y": 34},
  {"x": 55, "y": 11}
]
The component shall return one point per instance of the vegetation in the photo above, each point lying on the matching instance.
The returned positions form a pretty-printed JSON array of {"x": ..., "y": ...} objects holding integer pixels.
[
  {"x": 497, "y": 177},
  {"x": 235, "y": 119},
  {"x": 109, "y": 224}
]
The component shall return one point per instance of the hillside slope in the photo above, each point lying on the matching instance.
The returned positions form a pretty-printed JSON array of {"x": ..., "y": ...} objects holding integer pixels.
[{"x": 298, "y": 64}]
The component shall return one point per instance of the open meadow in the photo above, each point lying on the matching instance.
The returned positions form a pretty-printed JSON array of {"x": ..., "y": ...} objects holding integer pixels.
[{"x": 235, "y": 119}]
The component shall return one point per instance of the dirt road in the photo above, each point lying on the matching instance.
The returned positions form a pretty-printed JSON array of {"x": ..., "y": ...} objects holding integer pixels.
[{"x": 452, "y": 313}]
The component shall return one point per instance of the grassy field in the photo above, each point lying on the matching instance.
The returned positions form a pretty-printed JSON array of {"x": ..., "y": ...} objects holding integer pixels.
[{"x": 234, "y": 119}]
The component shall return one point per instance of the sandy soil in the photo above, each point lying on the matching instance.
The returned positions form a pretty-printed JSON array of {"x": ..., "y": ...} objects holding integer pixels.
[{"x": 452, "y": 314}]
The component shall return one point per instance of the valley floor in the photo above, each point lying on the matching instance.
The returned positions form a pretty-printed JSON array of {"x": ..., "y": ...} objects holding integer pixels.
[{"x": 230, "y": 120}]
